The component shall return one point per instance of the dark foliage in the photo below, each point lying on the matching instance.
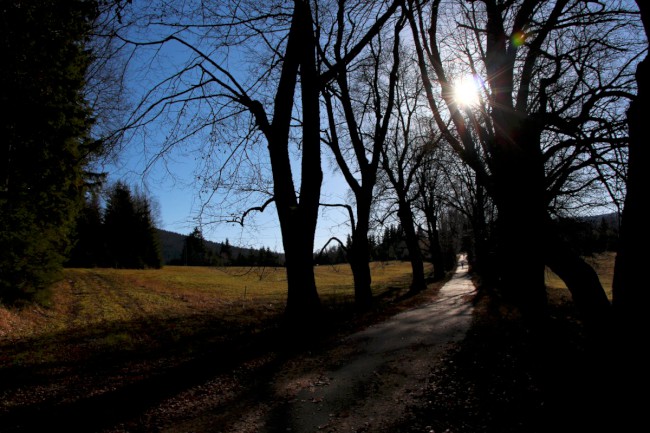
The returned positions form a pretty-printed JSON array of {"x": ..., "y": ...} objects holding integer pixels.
[
  {"x": 45, "y": 137},
  {"x": 195, "y": 251},
  {"x": 122, "y": 236},
  {"x": 590, "y": 235}
]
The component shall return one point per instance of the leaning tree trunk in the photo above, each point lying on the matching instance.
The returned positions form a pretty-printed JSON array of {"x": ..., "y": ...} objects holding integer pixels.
[{"x": 582, "y": 281}]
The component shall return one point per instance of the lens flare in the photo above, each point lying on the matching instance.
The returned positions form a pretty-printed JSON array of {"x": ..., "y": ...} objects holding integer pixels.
[{"x": 518, "y": 39}]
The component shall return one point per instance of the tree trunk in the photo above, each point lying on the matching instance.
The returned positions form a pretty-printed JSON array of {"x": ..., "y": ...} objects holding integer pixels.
[
  {"x": 298, "y": 218},
  {"x": 303, "y": 304},
  {"x": 518, "y": 184},
  {"x": 481, "y": 259},
  {"x": 630, "y": 286},
  {"x": 359, "y": 253},
  {"x": 437, "y": 259},
  {"x": 405, "y": 214},
  {"x": 359, "y": 263},
  {"x": 519, "y": 256}
]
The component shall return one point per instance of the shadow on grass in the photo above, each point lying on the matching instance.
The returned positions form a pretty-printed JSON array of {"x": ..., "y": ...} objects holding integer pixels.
[
  {"x": 114, "y": 374},
  {"x": 96, "y": 378}
]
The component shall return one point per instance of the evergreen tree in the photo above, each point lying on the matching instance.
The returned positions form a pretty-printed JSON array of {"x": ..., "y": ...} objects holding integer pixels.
[
  {"x": 147, "y": 240},
  {"x": 130, "y": 236},
  {"x": 45, "y": 137},
  {"x": 226, "y": 252},
  {"x": 195, "y": 252},
  {"x": 120, "y": 230}
]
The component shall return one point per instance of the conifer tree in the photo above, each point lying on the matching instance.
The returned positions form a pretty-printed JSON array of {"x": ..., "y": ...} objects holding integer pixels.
[
  {"x": 194, "y": 249},
  {"x": 45, "y": 141},
  {"x": 130, "y": 237}
]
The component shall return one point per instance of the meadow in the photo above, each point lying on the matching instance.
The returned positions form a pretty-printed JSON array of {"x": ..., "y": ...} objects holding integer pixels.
[
  {"x": 116, "y": 350},
  {"x": 125, "y": 339}
]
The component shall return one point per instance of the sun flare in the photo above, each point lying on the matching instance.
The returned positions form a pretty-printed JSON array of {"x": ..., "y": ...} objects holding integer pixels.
[{"x": 466, "y": 91}]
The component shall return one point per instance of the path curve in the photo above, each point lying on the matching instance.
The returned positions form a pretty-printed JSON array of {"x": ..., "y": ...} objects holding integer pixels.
[{"x": 389, "y": 363}]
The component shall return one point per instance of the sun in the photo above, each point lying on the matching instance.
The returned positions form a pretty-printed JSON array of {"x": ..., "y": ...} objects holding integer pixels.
[{"x": 466, "y": 91}]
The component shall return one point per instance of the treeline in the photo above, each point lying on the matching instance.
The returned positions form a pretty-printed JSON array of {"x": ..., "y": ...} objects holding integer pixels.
[
  {"x": 591, "y": 235},
  {"x": 120, "y": 235},
  {"x": 391, "y": 244},
  {"x": 197, "y": 251}
]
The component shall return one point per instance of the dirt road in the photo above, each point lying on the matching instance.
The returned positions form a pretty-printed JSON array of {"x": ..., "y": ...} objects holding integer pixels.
[{"x": 367, "y": 382}]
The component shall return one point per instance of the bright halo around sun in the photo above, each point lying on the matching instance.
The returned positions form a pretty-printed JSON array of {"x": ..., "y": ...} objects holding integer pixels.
[{"x": 466, "y": 91}]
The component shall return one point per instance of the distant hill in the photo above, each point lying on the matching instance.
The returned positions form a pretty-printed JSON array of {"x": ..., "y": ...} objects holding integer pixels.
[{"x": 172, "y": 243}]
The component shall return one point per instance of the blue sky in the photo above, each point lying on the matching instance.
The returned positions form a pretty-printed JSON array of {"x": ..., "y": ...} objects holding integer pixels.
[{"x": 171, "y": 185}]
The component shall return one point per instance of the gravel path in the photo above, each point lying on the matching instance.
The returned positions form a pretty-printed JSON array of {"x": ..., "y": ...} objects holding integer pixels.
[{"x": 380, "y": 369}]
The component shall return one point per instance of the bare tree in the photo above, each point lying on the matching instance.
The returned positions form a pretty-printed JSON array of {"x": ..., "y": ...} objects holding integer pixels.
[
  {"x": 408, "y": 145},
  {"x": 549, "y": 108},
  {"x": 237, "y": 74},
  {"x": 365, "y": 105}
]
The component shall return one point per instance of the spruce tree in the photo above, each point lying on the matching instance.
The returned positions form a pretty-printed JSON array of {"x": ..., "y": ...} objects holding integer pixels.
[
  {"x": 194, "y": 249},
  {"x": 120, "y": 228},
  {"x": 130, "y": 236},
  {"x": 147, "y": 240},
  {"x": 45, "y": 141}
]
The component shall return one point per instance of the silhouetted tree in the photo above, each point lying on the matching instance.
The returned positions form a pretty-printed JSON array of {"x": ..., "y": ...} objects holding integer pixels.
[
  {"x": 402, "y": 156},
  {"x": 260, "y": 100},
  {"x": 226, "y": 252},
  {"x": 195, "y": 252},
  {"x": 630, "y": 287},
  {"x": 360, "y": 98},
  {"x": 548, "y": 122},
  {"x": 147, "y": 236},
  {"x": 130, "y": 237}
]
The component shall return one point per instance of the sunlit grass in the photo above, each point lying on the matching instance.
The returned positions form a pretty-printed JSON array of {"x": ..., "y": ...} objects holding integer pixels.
[{"x": 89, "y": 297}]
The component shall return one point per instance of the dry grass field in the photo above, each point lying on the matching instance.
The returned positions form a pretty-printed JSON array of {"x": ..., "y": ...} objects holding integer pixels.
[
  {"x": 111, "y": 343},
  {"x": 137, "y": 350},
  {"x": 90, "y": 297}
]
